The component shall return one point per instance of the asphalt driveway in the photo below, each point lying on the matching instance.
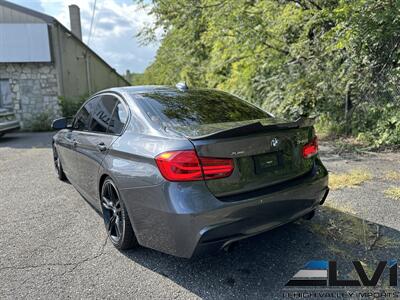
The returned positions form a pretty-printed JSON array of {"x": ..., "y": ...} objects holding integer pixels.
[{"x": 53, "y": 244}]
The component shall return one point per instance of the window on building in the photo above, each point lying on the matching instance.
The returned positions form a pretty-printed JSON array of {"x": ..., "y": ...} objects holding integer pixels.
[
  {"x": 24, "y": 42},
  {"x": 5, "y": 94}
]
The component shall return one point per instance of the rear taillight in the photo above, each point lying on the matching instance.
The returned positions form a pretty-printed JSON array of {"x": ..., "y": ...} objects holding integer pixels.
[
  {"x": 311, "y": 148},
  {"x": 216, "y": 167},
  {"x": 187, "y": 166},
  {"x": 179, "y": 165}
]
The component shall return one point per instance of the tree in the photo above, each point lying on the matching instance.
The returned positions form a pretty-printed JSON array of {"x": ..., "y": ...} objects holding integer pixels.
[{"x": 291, "y": 57}]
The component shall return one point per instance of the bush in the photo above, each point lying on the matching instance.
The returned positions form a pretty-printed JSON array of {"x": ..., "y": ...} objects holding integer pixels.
[
  {"x": 42, "y": 122},
  {"x": 69, "y": 106},
  {"x": 378, "y": 126},
  {"x": 387, "y": 131},
  {"x": 328, "y": 128}
]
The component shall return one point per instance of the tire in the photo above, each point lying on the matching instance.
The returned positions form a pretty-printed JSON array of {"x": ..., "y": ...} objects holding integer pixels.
[
  {"x": 116, "y": 219},
  {"x": 58, "y": 166}
]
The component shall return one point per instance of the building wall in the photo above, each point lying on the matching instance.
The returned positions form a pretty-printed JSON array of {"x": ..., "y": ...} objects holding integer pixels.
[
  {"x": 8, "y": 15},
  {"x": 76, "y": 64},
  {"x": 34, "y": 90},
  {"x": 35, "y": 87}
]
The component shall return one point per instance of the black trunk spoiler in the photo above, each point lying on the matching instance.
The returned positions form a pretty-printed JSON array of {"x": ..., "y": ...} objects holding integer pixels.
[{"x": 256, "y": 128}]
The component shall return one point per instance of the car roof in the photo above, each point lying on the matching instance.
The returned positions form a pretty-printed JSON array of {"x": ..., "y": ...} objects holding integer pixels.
[
  {"x": 143, "y": 89},
  {"x": 149, "y": 89}
]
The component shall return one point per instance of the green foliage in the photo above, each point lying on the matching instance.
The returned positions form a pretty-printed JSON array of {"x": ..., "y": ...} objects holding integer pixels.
[
  {"x": 291, "y": 57},
  {"x": 387, "y": 126},
  {"x": 42, "y": 122},
  {"x": 69, "y": 106},
  {"x": 326, "y": 128},
  {"x": 135, "y": 78}
]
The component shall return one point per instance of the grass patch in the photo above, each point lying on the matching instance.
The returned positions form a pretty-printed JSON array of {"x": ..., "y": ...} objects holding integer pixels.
[
  {"x": 345, "y": 228},
  {"x": 392, "y": 175},
  {"x": 387, "y": 242},
  {"x": 338, "y": 228},
  {"x": 393, "y": 193},
  {"x": 350, "y": 179},
  {"x": 340, "y": 207}
]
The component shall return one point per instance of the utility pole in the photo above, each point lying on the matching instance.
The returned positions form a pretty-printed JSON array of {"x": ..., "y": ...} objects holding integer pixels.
[{"x": 347, "y": 109}]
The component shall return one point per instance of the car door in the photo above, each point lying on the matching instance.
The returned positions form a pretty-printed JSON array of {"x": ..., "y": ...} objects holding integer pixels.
[
  {"x": 92, "y": 145},
  {"x": 67, "y": 141}
]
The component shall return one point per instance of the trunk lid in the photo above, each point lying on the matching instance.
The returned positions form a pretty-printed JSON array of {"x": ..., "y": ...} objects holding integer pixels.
[{"x": 270, "y": 155}]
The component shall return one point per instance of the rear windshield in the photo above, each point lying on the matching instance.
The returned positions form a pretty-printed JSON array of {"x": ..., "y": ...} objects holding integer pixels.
[{"x": 193, "y": 108}]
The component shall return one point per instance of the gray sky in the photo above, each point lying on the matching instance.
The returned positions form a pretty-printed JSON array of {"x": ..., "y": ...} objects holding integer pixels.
[{"x": 113, "y": 35}]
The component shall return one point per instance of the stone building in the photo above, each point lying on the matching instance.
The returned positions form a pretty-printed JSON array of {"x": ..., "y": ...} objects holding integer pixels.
[{"x": 41, "y": 60}]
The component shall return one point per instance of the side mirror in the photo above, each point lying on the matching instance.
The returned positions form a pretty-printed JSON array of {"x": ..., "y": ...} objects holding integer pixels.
[{"x": 60, "y": 123}]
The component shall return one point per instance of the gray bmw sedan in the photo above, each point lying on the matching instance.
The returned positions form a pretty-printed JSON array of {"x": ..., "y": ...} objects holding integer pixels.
[{"x": 187, "y": 171}]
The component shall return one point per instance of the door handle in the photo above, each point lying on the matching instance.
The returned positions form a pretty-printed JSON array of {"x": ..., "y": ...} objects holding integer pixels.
[
  {"x": 101, "y": 147},
  {"x": 74, "y": 142}
]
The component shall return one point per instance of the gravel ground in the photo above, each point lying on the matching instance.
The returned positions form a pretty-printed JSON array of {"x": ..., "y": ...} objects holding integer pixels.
[{"x": 53, "y": 244}]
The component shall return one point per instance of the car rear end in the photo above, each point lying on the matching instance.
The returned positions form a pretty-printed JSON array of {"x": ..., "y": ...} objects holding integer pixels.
[
  {"x": 239, "y": 177},
  {"x": 8, "y": 121}
]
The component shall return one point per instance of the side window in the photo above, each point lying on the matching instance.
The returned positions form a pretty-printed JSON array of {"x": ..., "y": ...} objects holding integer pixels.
[
  {"x": 118, "y": 119},
  {"x": 102, "y": 114},
  {"x": 82, "y": 118}
]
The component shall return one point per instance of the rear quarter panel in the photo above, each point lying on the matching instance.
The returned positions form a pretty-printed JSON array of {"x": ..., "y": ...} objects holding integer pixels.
[{"x": 130, "y": 160}]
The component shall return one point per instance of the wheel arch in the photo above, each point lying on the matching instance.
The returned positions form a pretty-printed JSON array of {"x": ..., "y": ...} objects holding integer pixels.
[{"x": 101, "y": 181}]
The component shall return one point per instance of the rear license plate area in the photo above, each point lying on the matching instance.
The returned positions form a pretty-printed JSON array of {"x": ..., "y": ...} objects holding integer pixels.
[{"x": 267, "y": 162}]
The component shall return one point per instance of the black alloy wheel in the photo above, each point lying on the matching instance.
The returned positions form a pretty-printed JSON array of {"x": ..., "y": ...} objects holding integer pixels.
[
  {"x": 58, "y": 166},
  {"x": 116, "y": 218}
]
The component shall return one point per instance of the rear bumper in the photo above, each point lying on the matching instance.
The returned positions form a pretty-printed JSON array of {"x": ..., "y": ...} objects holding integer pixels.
[
  {"x": 186, "y": 219},
  {"x": 9, "y": 126},
  {"x": 216, "y": 238}
]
